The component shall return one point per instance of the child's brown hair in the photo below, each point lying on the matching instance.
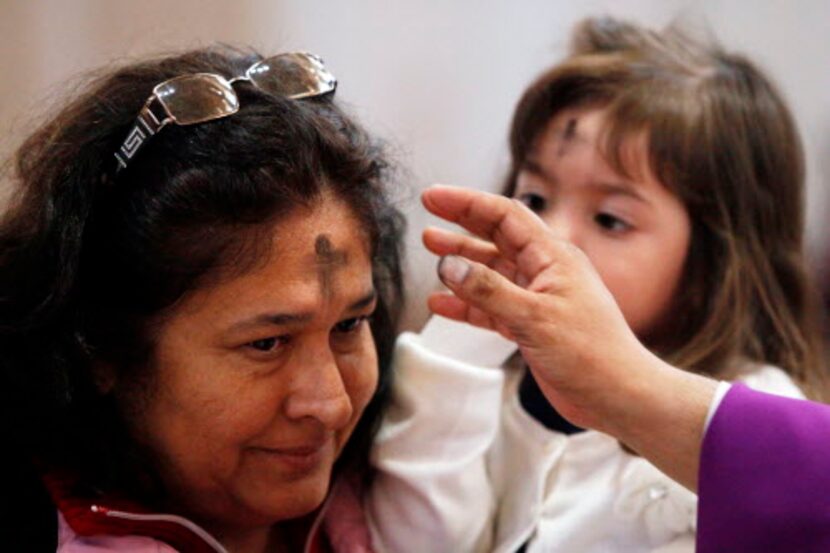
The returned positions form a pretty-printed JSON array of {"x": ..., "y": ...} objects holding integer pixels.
[{"x": 722, "y": 140}]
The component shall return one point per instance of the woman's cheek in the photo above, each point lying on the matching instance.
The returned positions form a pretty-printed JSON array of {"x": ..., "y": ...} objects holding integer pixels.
[
  {"x": 361, "y": 375},
  {"x": 366, "y": 378}
]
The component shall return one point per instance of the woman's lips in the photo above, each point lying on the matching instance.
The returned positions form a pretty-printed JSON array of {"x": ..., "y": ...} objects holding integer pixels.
[{"x": 301, "y": 458}]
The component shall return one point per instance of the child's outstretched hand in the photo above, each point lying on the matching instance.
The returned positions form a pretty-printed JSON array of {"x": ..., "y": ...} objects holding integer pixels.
[{"x": 515, "y": 276}]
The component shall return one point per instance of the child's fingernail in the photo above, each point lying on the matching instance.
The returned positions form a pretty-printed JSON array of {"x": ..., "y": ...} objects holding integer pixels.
[{"x": 453, "y": 270}]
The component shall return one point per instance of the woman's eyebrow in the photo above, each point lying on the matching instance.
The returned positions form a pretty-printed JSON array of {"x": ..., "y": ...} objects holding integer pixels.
[
  {"x": 364, "y": 302},
  {"x": 276, "y": 319},
  {"x": 286, "y": 319}
]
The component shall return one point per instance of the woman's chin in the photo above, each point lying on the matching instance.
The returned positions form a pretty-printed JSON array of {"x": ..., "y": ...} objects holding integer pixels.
[{"x": 293, "y": 501}]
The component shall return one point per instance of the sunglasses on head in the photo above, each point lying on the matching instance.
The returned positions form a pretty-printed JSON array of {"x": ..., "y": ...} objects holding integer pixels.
[{"x": 200, "y": 97}]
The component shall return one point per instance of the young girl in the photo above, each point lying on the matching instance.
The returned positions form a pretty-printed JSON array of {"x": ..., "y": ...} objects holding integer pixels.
[{"x": 677, "y": 169}]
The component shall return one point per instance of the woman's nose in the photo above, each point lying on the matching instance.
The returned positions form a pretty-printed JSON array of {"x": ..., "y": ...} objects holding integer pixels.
[{"x": 320, "y": 393}]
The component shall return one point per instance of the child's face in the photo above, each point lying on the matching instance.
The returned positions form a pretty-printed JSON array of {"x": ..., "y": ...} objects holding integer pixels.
[{"x": 636, "y": 233}]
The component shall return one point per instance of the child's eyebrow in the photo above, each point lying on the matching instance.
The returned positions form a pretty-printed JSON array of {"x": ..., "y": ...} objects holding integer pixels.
[
  {"x": 532, "y": 166},
  {"x": 621, "y": 188}
]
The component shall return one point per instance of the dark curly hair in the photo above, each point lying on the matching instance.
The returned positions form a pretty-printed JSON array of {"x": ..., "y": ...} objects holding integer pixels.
[{"x": 90, "y": 259}]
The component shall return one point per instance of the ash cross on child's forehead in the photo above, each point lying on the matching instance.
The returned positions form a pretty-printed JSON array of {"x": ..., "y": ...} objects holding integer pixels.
[
  {"x": 328, "y": 260},
  {"x": 566, "y": 136}
]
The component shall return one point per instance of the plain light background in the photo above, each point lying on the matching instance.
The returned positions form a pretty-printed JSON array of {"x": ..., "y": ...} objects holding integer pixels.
[{"x": 436, "y": 79}]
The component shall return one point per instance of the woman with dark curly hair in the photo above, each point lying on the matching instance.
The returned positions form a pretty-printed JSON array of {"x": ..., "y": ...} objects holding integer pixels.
[{"x": 199, "y": 280}]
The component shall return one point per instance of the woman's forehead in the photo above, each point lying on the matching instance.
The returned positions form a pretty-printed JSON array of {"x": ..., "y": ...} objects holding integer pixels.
[
  {"x": 316, "y": 256},
  {"x": 328, "y": 260},
  {"x": 324, "y": 245}
]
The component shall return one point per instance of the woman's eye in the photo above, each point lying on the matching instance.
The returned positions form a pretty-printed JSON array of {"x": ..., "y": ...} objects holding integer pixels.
[
  {"x": 267, "y": 344},
  {"x": 535, "y": 202},
  {"x": 610, "y": 222},
  {"x": 349, "y": 325}
]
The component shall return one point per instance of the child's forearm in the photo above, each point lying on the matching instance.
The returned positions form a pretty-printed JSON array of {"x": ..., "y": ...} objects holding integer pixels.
[{"x": 431, "y": 491}]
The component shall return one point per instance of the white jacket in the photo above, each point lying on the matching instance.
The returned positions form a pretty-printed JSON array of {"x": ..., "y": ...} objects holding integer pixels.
[{"x": 463, "y": 468}]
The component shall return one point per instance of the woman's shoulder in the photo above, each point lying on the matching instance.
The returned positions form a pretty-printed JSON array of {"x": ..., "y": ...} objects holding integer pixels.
[
  {"x": 770, "y": 379},
  {"x": 70, "y": 542}
]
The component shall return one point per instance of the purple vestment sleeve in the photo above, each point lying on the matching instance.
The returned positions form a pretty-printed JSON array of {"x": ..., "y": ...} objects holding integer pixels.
[{"x": 764, "y": 483}]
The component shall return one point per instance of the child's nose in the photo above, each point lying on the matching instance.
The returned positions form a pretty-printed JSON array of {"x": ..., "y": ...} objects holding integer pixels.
[{"x": 563, "y": 226}]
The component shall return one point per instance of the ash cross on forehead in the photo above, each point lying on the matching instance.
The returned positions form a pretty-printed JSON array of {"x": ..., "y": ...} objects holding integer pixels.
[
  {"x": 327, "y": 260},
  {"x": 566, "y": 136}
]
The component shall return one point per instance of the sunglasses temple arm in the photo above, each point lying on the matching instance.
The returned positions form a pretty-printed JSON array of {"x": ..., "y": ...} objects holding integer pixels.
[{"x": 145, "y": 126}]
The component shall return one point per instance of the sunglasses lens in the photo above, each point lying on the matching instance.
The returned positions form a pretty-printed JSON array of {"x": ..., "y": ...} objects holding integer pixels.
[
  {"x": 196, "y": 98},
  {"x": 294, "y": 75}
]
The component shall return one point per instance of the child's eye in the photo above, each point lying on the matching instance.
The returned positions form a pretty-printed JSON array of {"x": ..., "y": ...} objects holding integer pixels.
[
  {"x": 268, "y": 344},
  {"x": 535, "y": 202},
  {"x": 350, "y": 325},
  {"x": 611, "y": 222}
]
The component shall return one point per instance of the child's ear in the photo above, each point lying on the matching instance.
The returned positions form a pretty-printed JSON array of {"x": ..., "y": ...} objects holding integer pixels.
[{"x": 103, "y": 376}]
